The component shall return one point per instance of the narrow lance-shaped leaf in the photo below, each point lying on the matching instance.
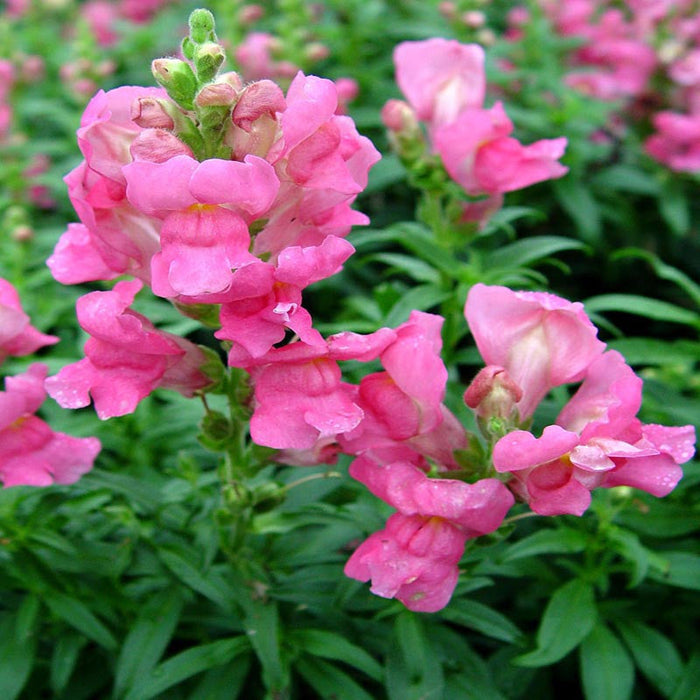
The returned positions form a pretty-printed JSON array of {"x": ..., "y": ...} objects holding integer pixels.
[{"x": 568, "y": 619}]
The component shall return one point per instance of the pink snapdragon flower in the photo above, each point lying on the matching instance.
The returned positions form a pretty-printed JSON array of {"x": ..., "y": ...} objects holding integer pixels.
[
  {"x": 479, "y": 153},
  {"x": 123, "y": 238},
  {"x": 403, "y": 405},
  {"x": 126, "y": 357},
  {"x": 31, "y": 453},
  {"x": 17, "y": 335},
  {"x": 540, "y": 339},
  {"x": 301, "y": 402},
  {"x": 415, "y": 558},
  {"x": 597, "y": 442},
  {"x": 205, "y": 209},
  {"x": 322, "y": 164},
  {"x": 676, "y": 142},
  {"x": 141, "y": 11},
  {"x": 440, "y": 78},
  {"x": 265, "y": 300},
  {"x": 445, "y": 84},
  {"x": 255, "y": 56},
  {"x": 101, "y": 17}
]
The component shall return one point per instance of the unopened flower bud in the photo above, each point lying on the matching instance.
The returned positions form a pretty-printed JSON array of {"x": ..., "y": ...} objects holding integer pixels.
[
  {"x": 399, "y": 116},
  {"x": 216, "y": 95},
  {"x": 286, "y": 69},
  {"x": 208, "y": 58},
  {"x": 217, "y": 430},
  {"x": 105, "y": 68},
  {"x": 202, "y": 26},
  {"x": 149, "y": 113},
  {"x": 493, "y": 394},
  {"x": 259, "y": 98},
  {"x": 177, "y": 78},
  {"x": 447, "y": 9},
  {"x": 486, "y": 37},
  {"x": 317, "y": 51},
  {"x": 84, "y": 87},
  {"x": 267, "y": 496},
  {"x": 22, "y": 233},
  {"x": 232, "y": 78},
  {"x": 473, "y": 19},
  {"x": 32, "y": 68},
  {"x": 158, "y": 146},
  {"x": 248, "y": 14}
]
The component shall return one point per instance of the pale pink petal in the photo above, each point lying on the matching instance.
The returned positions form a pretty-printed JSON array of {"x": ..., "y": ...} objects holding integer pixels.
[
  {"x": 250, "y": 186},
  {"x": 521, "y": 450},
  {"x": 440, "y": 77}
]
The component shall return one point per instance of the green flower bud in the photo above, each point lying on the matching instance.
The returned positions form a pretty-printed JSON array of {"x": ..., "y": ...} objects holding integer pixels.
[
  {"x": 267, "y": 496},
  {"x": 177, "y": 78},
  {"x": 208, "y": 58},
  {"x": 216, "y": 431},
  {"x": 202, "y": 26}
]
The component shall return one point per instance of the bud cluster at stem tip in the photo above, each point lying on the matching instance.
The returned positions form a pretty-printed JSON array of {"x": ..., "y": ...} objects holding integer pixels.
[{"x": 192, "y": 85}]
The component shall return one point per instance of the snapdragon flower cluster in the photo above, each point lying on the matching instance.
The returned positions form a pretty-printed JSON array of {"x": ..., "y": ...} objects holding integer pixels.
[
  {"x": 213, "y": 193},
  {"x": 445, "y": 84},
  {"x": 31, "y": 453},
  {"x": 409, "y": 448},
  {"x": 229, "y": 199}
]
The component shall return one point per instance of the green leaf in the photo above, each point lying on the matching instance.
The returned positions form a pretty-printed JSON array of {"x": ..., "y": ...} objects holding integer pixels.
[
  {"x": 412, "y": 670},
  {"x": 664, "y": 271},
  {"x": 642, "y": 306},
  {"x": 329, "y": 645},
  {"x": 413, "y": 237},
  {"x": 653, "y": 351},
  {"x": 78, "y": 615},
  {"x": 654, "y": 655},
  {"x": 529, "y": 250},
  {"x": 64, "y": 659},
  {"x": 683, "y": 570},
  {"x": 187, "y": 664},
  {"x": 262, "y": 626},
  {"x": 27, "y": 617},
  {"x": 329, "y": 681},
  {"x": 423, "y": 297},
  {"x": 412, "y": 266},
  {"x": 224, "y": 683},
  {"x": 625, "y": 178},
  {"x": 477, "y": 616},
  {"x": 660, "y": 519},
  {"x": 568, "y": 618},
  {"x": 147, "y": 639},
  {"x": 689, "y": 687},
  {"x": 387, "y": 171},
  {"x": 628, "y": 545},
  {"x": 673, "y": 206},
  {"x": 16, "y": 659},
  {"x": 607, "y": 671},
  {"x": 194, "y": 578},
  {"x": 563, "y": 540},
  {"x": 581, "y": 206}
]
